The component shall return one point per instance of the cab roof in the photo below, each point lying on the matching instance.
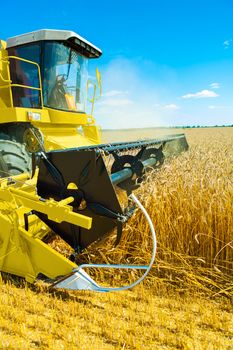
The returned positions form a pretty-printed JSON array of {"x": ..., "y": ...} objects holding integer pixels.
[{"x": 88, "y": 49}]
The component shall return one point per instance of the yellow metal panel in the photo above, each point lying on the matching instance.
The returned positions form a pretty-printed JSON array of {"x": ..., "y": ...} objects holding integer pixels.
[
  {"x": 66, "y": 138},
  {"x": 44, "y": 259},
  {"x": 55, "y": 117},
  {"x": 56, "y": 211},
  {"x": 2, "y": 45},
  {"x": 18, "y": 114},
  {"x": 70, "y": 117},
  {"x": 22, "y": 252},
  {"x": 5, "y": 96},
  {"x": 60, "y": 129},
  {"x": 26, "y": 256},
  {"x": 5, "y": 235},
  {"x": 92, "y": 133}
]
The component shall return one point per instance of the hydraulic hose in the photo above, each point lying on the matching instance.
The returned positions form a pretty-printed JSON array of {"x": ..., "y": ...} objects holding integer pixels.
[{"x": 147, "y": 268}]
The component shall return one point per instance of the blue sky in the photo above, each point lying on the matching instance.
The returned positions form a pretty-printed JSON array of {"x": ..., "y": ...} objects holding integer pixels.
[{"x": 164, "y": 62}]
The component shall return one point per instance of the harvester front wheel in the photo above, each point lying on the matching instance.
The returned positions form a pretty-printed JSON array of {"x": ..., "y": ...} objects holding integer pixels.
[{"x": 14, "y": 159}]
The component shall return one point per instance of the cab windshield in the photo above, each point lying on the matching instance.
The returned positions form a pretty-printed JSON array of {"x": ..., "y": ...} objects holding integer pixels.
[{"x": 64, "y": 77}]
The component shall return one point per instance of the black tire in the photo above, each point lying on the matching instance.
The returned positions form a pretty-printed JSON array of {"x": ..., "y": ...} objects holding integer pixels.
[{"x": 14, "y": 159}]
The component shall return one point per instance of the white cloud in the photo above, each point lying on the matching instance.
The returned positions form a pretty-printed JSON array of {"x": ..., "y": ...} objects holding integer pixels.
[
  {"x": 172, "y": 106},
  {"x": 219, "y": 107},
  {"x": 135, "y": 99},
  {"x": 201, "y": 94},
  {"x": 227, "y": 43},
  {"x": 113, "y": 93},
  {"x": 116, "y": 102},
  {"x": 129, "y": 98},
  {"x": 214, "y": 85}
]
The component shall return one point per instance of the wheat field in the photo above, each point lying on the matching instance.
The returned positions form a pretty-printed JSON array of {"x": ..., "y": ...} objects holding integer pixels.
[
  {"x": 185, "y": 303},
  {"x": 190, "y": 201}
]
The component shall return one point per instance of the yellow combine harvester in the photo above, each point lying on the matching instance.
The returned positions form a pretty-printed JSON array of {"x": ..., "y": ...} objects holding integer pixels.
[{"x": 54, "y": 175}]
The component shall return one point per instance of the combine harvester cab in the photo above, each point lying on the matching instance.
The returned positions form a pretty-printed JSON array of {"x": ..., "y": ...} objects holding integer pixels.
[{"x": 76, "y": 179}]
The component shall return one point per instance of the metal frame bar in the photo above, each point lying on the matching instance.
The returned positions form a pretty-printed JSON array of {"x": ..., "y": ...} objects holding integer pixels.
[
  {"x": 81, "y": 280},
  {"x": 122, "y": 146},
  {"x": 19, "y": 85}
]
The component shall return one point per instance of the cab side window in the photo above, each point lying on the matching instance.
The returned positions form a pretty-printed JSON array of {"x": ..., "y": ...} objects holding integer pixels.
[{"x": 26, "y": 75}]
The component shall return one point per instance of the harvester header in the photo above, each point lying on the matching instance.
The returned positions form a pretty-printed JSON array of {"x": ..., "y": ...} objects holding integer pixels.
[{"x": 57, "y": 178}]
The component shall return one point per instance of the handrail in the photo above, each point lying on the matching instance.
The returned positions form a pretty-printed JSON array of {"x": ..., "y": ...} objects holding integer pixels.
[
  {"x": 21, "y": 85},
  {"x": 25, "y": 86},
  {"x": 5, "y": 80},
  {"x": 1, "y": 77}
]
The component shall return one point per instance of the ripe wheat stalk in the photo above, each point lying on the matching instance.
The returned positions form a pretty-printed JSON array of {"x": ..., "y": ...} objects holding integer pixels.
[{"x": 190, "y": 202}]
